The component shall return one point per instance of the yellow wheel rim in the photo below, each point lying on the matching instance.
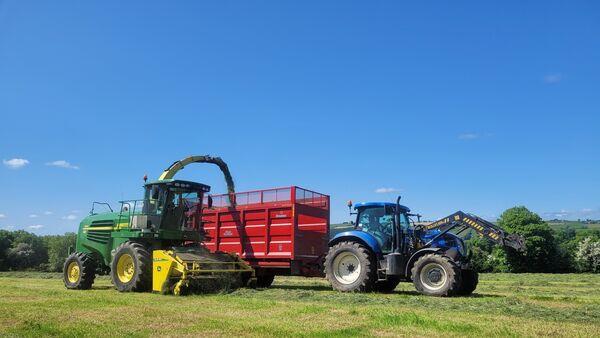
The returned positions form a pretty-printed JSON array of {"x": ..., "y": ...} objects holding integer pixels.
[
  {"x": 73, "y": 272},
  {"x": 125, "y": 268}
]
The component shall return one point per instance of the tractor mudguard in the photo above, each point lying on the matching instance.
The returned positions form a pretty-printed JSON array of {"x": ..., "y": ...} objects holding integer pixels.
[
  {"x": 364, "y": 238},
  {"x": 416, "y": 256}
]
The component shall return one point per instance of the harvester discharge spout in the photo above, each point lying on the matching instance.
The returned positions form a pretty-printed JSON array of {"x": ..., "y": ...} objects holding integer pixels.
[{"x": 170, "y": 172}]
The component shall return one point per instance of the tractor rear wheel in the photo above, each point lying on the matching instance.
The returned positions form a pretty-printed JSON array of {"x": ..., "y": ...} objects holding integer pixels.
[
  {"x": 131, "y": 268},
  {"x": 387, "y": 285},
  {"x": 436, "y": 275},
  {"x": 79, "y": 271},
  {"x": 470, "y": 279},
  {"x": 350, "y": 267}
]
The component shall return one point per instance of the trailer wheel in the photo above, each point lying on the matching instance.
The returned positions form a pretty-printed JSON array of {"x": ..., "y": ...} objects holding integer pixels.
[
  {"x": 387, "y": 285},
  {"x": 470, "y": 279},
  {"x": 265, "y": 280},
  {"x": 436, "y": 275},
  {"x": 131, "y": 268},
  {"x": 350, "y": 267},
  {"x": 79, "y": 271}
]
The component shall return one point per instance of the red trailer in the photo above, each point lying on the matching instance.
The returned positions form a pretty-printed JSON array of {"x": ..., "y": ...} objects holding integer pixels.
[{"x": 281, "y": 231}]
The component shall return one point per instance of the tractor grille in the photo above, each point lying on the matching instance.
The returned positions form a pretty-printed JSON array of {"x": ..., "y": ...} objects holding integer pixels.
[{"x": 102, "y": 234}]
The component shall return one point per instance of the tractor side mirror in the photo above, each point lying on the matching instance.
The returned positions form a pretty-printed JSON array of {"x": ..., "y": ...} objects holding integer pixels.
[{"x": 209, "y": 201}]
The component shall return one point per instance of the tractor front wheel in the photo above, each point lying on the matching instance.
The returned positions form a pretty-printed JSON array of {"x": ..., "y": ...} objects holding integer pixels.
[
  {"x": 131, "y": 268},
  {"x": 436, "y": 275},
  {"x": 79, "y": 271},
  {"x": 350, "y": 267}
]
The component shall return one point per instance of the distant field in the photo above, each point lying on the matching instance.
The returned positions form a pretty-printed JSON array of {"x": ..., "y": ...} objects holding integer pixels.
[
  {"x": 577, "y": 226},
  {"x": 504, "y": 305}
]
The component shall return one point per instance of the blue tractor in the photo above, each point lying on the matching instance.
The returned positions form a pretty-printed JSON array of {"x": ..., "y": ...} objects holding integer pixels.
[{"x": 387, "y": 247}]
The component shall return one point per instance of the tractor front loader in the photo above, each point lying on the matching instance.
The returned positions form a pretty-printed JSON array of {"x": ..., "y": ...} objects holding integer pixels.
[{"x": 155, "y": 243}]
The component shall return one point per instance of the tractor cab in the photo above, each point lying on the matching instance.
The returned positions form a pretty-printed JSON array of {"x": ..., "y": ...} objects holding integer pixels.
[
  {"x": 379, "y": 220},
  {"x": 167, "y": 205}
]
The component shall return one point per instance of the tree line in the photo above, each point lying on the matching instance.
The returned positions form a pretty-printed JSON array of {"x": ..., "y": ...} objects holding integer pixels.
[{"x": 547, "y": 250}]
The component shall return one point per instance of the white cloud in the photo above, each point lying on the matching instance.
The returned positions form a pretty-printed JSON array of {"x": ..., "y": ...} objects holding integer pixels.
[
  {"x": 386, "y": 190},
  {"x": 33, "y": 216},
  {"x": 62, "y": 164},
  {"x": 468, "y": 136},
  {"x": 2, "y": 216},
  {"x": 9, "y": 227},
  {"x": 553, "y": 78},
  {"x": 48, "y": 212},
  {"x": 35, "y": 227},
  {"x": 70, "y": 217},
  {"x": 75, "y": 211},
  {"x": 15, "y": 163}
]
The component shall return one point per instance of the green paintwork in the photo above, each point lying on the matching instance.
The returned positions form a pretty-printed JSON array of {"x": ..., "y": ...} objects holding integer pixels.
[{"x": 100, "y": 234}]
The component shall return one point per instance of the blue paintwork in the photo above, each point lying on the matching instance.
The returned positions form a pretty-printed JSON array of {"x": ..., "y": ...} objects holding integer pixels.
[
  {"x": 365, "y": 205},
  {"x": 365, "y": 237}
]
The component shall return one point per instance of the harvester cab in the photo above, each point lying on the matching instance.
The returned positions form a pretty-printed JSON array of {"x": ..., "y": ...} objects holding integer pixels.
[
  {"x": 386, "y": 247},
  {"x": 154, "y": 244}
]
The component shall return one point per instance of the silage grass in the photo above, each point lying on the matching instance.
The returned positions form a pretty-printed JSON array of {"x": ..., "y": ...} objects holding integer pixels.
[{"x": 503, "y": 305}]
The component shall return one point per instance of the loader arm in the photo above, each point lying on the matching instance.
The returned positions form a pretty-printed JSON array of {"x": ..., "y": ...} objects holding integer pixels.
[
  {"x": 482, "y": 227},
  {"x": 178, "y": 165}
]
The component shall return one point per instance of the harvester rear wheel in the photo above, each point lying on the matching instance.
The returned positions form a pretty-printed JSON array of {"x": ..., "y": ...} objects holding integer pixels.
[
  {"x": 79, "y": 271},
  {"x": 265, "y": 280},
  {"x": 470, "y": 279},
  {"x": 436, "y": 275},
  {"x": 350, "y": 267},
  {"x": 131, "y": 268}
]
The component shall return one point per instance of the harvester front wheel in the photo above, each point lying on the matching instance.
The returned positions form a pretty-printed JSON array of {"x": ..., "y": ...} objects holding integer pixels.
[
  {"x": 350, "y": 267},
  {"x": 131, "y": 268},
  {"x": 436, "y": 275},
  {"x": 79, "y": 271}
]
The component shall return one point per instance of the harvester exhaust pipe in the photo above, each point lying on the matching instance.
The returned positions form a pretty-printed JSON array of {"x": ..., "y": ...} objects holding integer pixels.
[{"x": 178, "y": 165}]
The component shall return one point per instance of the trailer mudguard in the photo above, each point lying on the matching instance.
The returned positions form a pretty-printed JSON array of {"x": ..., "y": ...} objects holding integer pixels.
[{"x": 358, "y": 236}]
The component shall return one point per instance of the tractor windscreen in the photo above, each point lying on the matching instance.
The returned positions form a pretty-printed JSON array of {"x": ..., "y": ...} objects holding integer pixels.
[{"x": 379, "y": 222}]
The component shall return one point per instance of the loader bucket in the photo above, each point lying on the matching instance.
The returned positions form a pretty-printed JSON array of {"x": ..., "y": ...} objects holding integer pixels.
[{"x": 185, "y": 270}]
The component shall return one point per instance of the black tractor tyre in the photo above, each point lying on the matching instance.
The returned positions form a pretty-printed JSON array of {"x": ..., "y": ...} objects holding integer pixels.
[
  {"x": 436, "y": 275},
  {"x": 131, "y": 268},
  {"x": 79, "y": 271},
  {"x": 388, "y": 285},
  {"x": 341, "y": 260},
  {"x": 470, "y": 279},
  {"x": 264, "y": 280}
]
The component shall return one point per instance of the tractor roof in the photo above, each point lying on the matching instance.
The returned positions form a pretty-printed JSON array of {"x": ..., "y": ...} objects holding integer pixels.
[
  {"x": 365, "y": 205},
  {"x": 181, "y": 184}
]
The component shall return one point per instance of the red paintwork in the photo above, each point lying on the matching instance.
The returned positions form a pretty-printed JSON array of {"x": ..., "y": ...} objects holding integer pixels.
[{"x": 284, "y": 230}]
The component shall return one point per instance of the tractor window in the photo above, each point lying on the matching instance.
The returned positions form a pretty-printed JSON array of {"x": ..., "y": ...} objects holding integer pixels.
[{"x": 379, "y": 224}]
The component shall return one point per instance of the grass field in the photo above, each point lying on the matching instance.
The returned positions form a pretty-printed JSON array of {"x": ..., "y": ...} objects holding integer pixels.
[{"x": 503, "y": 305}]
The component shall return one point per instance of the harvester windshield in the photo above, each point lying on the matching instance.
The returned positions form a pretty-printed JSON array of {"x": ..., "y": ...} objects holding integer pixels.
[{"x": 168, "y": 204}]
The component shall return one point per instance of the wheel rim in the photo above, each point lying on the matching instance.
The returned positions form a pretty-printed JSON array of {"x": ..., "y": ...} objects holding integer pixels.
[
  {"x": 346, "y": 268},
  {"x": 433, "y": 276},
  {"x": 125, "y": 268},
  {"x": 73, "y": 272}
]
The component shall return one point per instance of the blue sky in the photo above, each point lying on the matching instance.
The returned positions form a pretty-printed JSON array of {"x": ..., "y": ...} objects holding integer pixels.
[{"x": 454, "y": 105}]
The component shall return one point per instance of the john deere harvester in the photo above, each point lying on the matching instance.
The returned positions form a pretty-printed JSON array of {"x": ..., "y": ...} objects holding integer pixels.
[{"x": 156, "y": 243}]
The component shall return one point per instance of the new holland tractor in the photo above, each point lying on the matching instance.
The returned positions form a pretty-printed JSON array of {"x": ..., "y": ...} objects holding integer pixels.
[
  {"x": 386, "y": 247},
  {"x": 154, "y": 243}
]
